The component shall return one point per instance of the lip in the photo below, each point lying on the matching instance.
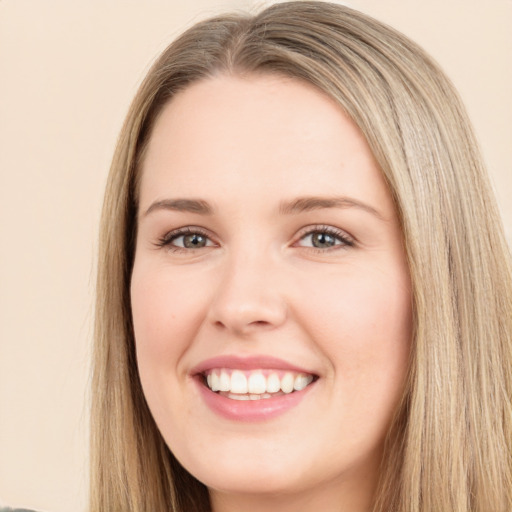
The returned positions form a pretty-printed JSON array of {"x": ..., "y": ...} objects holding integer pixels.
[
  {"x": 260, "y": 362},
  {"x": 249, "y": 410}
]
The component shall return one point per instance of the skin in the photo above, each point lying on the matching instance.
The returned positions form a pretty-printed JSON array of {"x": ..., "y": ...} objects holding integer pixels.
[{"x": 260, "y": 286}]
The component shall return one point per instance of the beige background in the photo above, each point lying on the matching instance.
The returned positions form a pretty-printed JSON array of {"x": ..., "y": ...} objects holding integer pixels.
[{"x": 68, "y": 70}]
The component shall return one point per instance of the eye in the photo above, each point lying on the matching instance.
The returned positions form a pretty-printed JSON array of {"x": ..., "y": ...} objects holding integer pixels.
[
  {"x": 192, "y": 241},
  {"x": 185, "y": 239},
  {"x": 324, "y": 238}
]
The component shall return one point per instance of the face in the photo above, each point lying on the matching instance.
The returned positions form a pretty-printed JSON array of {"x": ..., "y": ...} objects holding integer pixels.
[{"x": 270, "y": 292}]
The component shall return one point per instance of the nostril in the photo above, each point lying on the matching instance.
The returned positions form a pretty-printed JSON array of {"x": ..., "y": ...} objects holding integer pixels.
[{"x": 244, "y": 312}]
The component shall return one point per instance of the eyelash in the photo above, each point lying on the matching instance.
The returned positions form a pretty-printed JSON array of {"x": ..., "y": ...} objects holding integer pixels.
[
  {"x": 168, "y": 238},
  {"x": 338, "y": 235}
]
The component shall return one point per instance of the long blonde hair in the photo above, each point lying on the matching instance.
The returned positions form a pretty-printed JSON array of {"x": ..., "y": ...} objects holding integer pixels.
[{"x": 450, "y": 445}]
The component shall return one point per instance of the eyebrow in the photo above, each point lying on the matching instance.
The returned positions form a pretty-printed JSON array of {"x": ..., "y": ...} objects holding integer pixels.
[
  {"x": 305, "y": 204},
  {"x": 181, "y": 205},
  {"x": 299, "y": 205}
]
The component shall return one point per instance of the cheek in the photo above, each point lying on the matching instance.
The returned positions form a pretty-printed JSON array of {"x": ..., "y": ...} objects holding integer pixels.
[
  {"x": 166, "y": 315},
  {"x": 363, "y": 320}
]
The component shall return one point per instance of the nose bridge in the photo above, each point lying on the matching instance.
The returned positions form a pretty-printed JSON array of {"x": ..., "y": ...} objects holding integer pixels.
[{"x": 249, "y": 294}]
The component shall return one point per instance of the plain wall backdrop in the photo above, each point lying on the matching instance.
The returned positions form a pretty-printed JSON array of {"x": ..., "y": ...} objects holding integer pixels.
[{"x": 68, "y": 71}]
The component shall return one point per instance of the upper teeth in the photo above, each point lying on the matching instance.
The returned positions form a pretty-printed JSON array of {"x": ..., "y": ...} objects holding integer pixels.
[{"x": 257, "y": 381}]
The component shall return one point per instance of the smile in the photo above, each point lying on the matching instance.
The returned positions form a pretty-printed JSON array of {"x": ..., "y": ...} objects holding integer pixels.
[
  {"x": 254, "y": 388},
  {"x": 255, "y": 384}
]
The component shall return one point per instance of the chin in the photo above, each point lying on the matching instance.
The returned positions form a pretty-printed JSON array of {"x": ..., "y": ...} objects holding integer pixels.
[
  {"x": 250, "y": 477},
  {"x": 251, "y": 484}
]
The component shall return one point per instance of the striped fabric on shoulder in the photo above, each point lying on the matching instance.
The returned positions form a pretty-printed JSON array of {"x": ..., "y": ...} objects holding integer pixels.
[{"x": 7, "y": 509}]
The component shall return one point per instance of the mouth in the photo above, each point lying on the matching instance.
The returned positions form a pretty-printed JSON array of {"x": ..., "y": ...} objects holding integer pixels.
[
  {"x": 252, "y": 388},
  {"x": 256, "y": 384}
]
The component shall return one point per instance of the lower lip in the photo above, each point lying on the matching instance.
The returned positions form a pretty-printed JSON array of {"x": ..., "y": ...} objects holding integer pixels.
[{"x": 251, "y": 410}]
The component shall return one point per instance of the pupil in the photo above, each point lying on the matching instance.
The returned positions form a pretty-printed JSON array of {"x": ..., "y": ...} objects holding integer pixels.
[
  {"x": 193, "y": 241},
  {"x": 322, "y": 240}
]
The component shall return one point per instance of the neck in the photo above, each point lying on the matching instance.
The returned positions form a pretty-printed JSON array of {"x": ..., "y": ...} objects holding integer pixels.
[{"x": 332, "y": 497}]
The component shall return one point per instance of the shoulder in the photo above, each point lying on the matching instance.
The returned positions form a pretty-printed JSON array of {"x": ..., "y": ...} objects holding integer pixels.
[{"x": 7, "y": 509}]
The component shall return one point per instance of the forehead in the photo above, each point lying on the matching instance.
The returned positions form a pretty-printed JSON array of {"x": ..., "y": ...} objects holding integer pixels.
[{"x": 270, "y": 133}]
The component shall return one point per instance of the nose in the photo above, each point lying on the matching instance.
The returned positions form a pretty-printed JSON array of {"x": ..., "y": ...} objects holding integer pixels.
[{"x": 249, "y": 297}]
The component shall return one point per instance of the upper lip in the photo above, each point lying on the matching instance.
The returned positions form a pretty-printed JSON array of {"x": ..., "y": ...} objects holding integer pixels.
[{"x": 255, "y": 362}]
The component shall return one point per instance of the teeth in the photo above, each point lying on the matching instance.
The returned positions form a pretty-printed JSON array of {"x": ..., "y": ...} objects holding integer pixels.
[
  {"x": 301, "y": 381},
  {"x": 239, "y": 397},
  {"x": 273, "y": 383},
  {"x": 255, "y": 385},
  {"x": 214, "y": 381},
  {"x": 238, "y": 382},
  {"x": 287, "y": 383},
  {"x": 224, "y": 381}
]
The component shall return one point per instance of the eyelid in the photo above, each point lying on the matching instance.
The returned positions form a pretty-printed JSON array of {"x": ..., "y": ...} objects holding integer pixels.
[
  {"x": 340, "y": 235},
  {"x": 346, "y": 239},
  {"x": 165, "y": 241}
]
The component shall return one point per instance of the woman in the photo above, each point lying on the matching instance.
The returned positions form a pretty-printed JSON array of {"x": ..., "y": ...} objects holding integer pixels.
[{"x": 304, "y": 293}]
